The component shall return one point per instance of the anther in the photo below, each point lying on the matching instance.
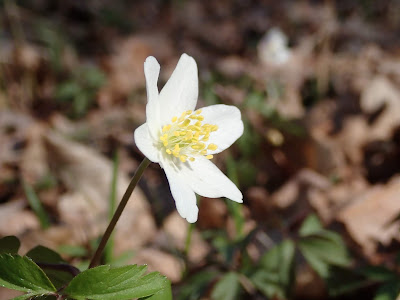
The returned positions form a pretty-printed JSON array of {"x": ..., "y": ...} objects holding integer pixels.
[{"x": 212, "y": 147}]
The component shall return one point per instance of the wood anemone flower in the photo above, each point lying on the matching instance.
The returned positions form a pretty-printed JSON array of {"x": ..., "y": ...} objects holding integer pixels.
[{"x": 183, "y": 140}]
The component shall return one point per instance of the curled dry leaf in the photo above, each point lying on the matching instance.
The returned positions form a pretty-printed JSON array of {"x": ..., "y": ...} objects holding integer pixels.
[
  {"x": 87, "y": 175},
  {"x": 329, "y": 201},
  {"x": 292, "y": 189},
  {"x": 14, "y": 220},
  {"x": 369, "y": 217},
  {"x": 381, "y": 92}
]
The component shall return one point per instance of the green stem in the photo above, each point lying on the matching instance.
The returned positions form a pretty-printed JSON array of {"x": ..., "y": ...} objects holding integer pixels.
[
  {"x": 108, "y": 251},
  {"x": 139, "y": 172},
  {"x": 188, "y": 238}
]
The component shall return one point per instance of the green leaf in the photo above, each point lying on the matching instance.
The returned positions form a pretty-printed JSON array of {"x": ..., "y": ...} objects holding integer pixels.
[
  {"x": 68, "y": 90},
  {"x": 23, "y": 297},
  {"x": 276, "y": 274},
  {"x": 378, "y": 273},
  {"x": 9, "y": 244},
  {"x": 42, "y": 256},
  {"x": 94, "y": 78},
  {"x": 310, "y": 225},
  {"x": 22, "y": 274},
  {"x": 119, "y": 283},
  {"x": 227, "y": 288},
  {"x": 268, "y": 284},
  {"x": 322, "y": 248},
  {"x": 389, "y": 291},
  {"x": 164, "y": 294},
  {"x": 197, "y": 285},
  {"x": 343, "y": 281}
]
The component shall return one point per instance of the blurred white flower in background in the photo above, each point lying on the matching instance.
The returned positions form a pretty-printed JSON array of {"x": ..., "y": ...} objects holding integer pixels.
[{"x": 273, "y": 48}]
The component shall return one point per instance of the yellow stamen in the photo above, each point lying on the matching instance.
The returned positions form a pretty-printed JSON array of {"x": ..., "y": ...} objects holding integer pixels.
[
  {"x": 212, "y": 147},
  {"x": 186, "y": 135}
]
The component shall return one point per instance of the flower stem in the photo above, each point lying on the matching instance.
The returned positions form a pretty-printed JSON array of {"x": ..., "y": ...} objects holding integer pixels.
[
  {"x": 188, "y": 238},
  {"x": 139, "y": 172}
]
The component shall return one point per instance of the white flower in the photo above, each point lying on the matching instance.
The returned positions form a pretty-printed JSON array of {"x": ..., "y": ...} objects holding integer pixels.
[
  {"x": 183, "y": 140},
  {"x": 273, "y": 48}
]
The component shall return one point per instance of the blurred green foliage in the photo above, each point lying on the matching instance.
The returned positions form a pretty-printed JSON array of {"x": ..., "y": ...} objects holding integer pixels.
[
  {"x": 79, "y": 90},
  {"x": 273, "y": 275}
]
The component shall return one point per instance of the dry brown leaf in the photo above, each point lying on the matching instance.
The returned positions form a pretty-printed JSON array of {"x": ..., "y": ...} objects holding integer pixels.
[
  {"x": 160, "y": 261},
  {"x": 368, "y": 218},
  {"x": 176, "y": 229},
  {"x": 87, "y": 175},
  {"x": 53, "y": 237},
  {"x": 293, "y": 188},
  {"x": 34, "y": 159},
  {"x": 14, "y": 220},
  {"x": 353, "y": 137},
  {"x": 14, "y": 128},
  {"x": 9, "y": 294},
  {"x": 328, "y": 201},
  {"x": 125, "y": 67},
  {"x": 212, "y": 213},
  {"x": 380, "y": 91},
  {"x": 259, "y": 201}
]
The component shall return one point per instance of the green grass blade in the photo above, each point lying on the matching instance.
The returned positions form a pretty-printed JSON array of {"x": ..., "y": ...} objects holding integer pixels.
[{"x": 36, "y": 205}]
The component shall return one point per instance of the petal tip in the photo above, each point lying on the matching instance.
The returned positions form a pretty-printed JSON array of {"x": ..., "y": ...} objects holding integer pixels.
[
  {"x": 237, "y": 197},
  {"x": 193, "y": 215},
  {"x": 151, "y": 64},
  {"x": 188, "y": 60}
]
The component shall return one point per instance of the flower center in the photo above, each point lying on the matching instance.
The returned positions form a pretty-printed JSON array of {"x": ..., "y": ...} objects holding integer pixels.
[{"x": 187, "y": 136}]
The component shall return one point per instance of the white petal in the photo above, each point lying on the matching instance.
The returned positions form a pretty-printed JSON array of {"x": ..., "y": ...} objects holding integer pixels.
[
  {"x": 207, "y": 180},
  {"x": 151, "y": 72},
  {"x": 180, "y": 92},
  {"x": 185, "y": 198},
  {"x": 230, "y": 125},
  {"x": 145, "y": 143}
]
